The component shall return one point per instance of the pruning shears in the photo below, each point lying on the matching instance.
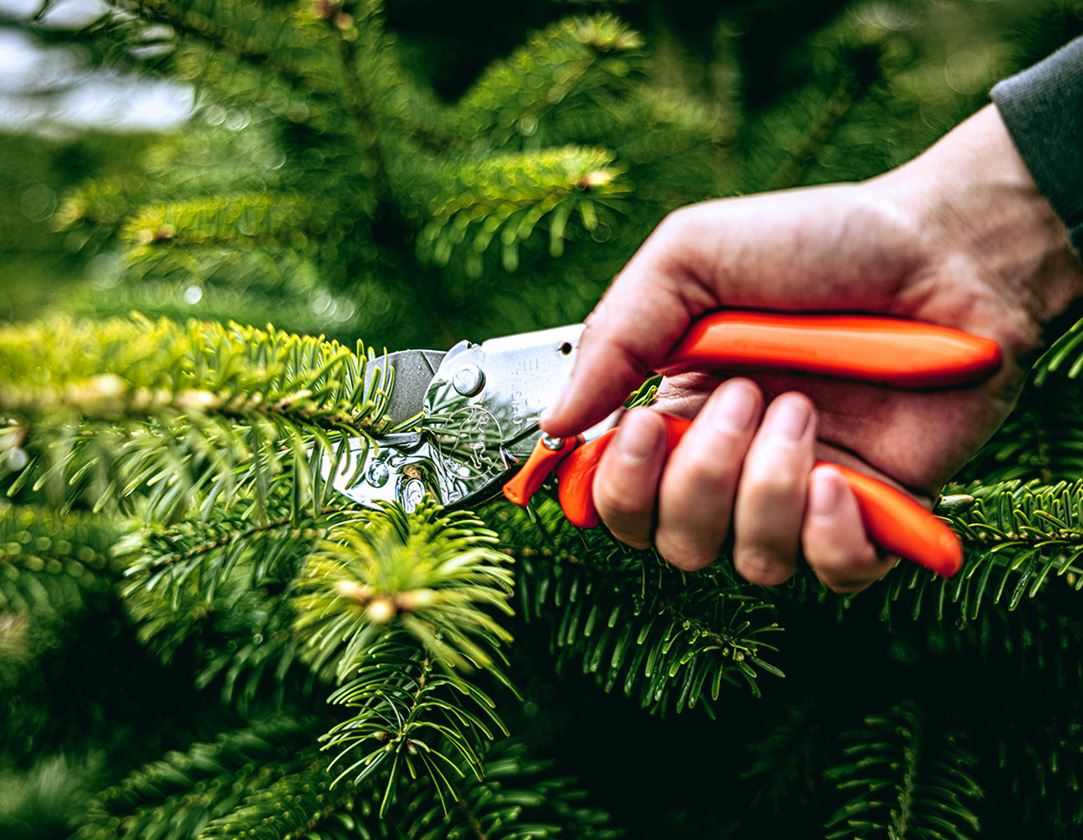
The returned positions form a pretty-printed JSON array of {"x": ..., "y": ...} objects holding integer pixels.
[{"x": 471, "y": 413}]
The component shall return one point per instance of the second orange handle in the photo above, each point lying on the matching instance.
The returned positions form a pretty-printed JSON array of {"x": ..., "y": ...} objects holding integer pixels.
[{"x": 894, "y": 521}]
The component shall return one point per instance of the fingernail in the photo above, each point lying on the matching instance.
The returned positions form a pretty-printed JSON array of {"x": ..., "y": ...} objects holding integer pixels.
[
  {"x": 638, "y": 436},
  {"x": 824, "y": 493},
  {"x": 790, "y": 417},
  {"x": 733, "y": 409}
]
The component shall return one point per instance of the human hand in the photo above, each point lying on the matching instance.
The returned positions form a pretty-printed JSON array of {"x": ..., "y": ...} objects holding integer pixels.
[{"x": 959, "y": 237}]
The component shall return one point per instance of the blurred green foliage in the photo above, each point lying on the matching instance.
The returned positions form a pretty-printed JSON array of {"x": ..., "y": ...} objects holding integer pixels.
[{"x": 178, "y": 589}]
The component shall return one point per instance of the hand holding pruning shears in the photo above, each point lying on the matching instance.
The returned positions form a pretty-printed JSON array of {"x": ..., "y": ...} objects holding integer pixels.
[
  {"x": 798, "y": 430},
  {"x": 960, "y": 237}
]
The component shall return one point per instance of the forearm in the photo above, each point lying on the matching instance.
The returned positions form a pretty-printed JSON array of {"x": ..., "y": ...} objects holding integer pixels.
[
  {"x": 1042, "y": 108},
  {"x": 973, "y": 194}
]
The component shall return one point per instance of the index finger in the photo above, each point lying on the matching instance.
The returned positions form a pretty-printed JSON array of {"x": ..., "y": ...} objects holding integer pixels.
[{"x": 641, "y": 317}]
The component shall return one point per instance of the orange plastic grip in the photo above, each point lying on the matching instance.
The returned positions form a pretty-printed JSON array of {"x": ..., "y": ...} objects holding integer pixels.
[
  {"x": 542, "y": 461},
  {"x": 908, "y": 354},
  {"x": 893, "y": 520}
]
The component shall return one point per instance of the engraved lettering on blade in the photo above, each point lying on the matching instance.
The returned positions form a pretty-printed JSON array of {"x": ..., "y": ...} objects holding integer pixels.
[{"x": 473, "y": 449}]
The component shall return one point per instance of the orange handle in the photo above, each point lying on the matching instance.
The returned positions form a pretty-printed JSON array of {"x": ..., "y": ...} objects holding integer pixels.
[
  {"x": 542, "y": 461},
  {"x": 893, "y": 520},
  {"x": 907, "y": 354}
]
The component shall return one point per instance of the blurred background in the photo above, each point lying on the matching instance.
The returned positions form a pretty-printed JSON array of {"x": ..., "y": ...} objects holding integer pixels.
[
  {"x": 127, "y": 130},
  {"x": 410, "y": 174}
]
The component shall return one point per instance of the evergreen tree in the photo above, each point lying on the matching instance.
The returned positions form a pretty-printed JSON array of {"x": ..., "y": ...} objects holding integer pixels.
[{"x": 200, "y": 638}]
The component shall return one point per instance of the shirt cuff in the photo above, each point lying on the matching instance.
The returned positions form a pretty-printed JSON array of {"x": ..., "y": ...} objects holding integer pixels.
[{"x": 1042, "y": 108}]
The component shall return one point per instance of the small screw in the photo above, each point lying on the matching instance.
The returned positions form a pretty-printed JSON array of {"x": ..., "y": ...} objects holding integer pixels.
[
  {"x": 468, "y": 380},
  {"x": 378, "y": 474},
  {"x": 412, "y": 493},
  {"x": 552, "y": 443}
]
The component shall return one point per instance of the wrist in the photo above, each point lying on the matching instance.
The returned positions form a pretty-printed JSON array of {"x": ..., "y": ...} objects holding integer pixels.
[{"x": 972, "y": 196}]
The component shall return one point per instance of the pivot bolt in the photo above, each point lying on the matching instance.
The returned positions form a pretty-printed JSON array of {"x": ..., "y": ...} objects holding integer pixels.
[
  {"x": 377, "y": 474},
  {"x": 553, "y": 444},
  {"x": 468, "y": 380}
]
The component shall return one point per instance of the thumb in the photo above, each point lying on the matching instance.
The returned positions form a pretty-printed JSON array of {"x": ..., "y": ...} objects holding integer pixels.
[{"x": 641, "y": 317}]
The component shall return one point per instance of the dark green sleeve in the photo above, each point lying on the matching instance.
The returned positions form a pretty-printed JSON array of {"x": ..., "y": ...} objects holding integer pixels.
[{"x": 1043, "y": 110}]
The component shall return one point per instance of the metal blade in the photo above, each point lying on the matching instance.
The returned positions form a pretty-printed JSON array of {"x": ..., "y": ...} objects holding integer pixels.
[
  {"x": 414, "y": 370},
  {"x": 480, "y": 405}
]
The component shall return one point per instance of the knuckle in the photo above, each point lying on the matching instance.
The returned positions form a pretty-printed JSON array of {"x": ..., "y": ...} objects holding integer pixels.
[
  {"x": 781, "y": 482},
  {"x": 674, "y": 221},
  {"x": 841, "y": 564},
  {"x": 762, "y": 567},
  {"x": 701, "y": 477},
  {"x": 612, "y": 504},
  {"x": 683, "y": 553}
]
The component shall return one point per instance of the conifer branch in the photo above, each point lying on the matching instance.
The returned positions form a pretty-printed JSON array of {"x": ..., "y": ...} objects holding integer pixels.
[
  {"x": 903, "y": 783},
  {"x": 561, "y": 68},
  {"x": 1064, "y": 357},
  {"x": 1039, "y": 440},
  {"x": 237, "y": 220},
  {"x": 436, "y": 575},
  {"x": 412, "y": 717},
  {"x": 51, "y": 563},
  {"x": 185, "y": 413},
  {"x": 506, "y": 198},
  {"x": 1020, "y": 540},
  {"x": 180, "y": 794},
  {"x": 403, "y": 606},
  {"x": 360, "y": 98},
  {"x": 208, "y": 551},
  {"x": 295, "y": 806},
  {"x": 853, "y": 84},
  {"x": 669, "y": 639},
  {"x": 516, "y": 796},
  {"x": 200, "y": 20}
]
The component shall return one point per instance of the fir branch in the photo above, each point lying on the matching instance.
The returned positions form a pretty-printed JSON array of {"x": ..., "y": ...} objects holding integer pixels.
[
  {"x": 181, "y": 413},
  {"x": 1036, "y": 645},
  {"x": 252, "y": 33},
  {"x": 857, "y": 77},
  {"x": 292, "y": 807},
  {"x": 181, "y": 793},
  {"x": 435, "y": 575},
  {"x": 671, "y": 640},
  {"x": 400, "y": 603},
  {"x": 904, "y": 783},
  {"x": 237, "y": 220},
  {"x": 518, "y": 796},
  {"x": 51, "y": 563},
  {"x": 569, "y": 65},
  {"x": 135, "y": 367},
  {"x": 1040, "y": 439},
  {"x": 1020, "y": 540},
  {"x": 241, "y": 635},
  {"x": 1064, "y": 356},
  {"x": 411, "y": 716},
  {"x": 507, "y": 197},
  {"x": 360, "y": 98},
  {"x": 209, "y": 550}
]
